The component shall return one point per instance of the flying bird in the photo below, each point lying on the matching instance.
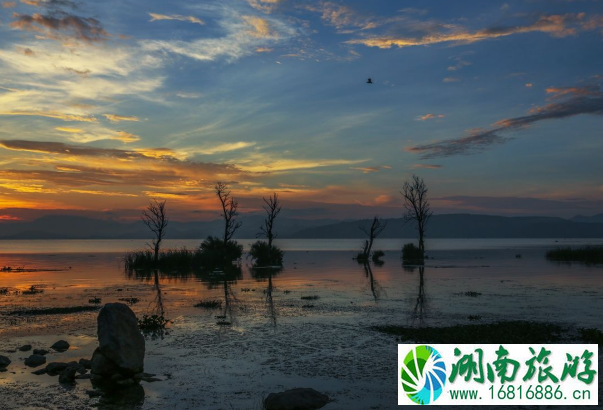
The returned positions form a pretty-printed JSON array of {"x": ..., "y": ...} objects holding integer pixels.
[{"x": 369, "y": 81}]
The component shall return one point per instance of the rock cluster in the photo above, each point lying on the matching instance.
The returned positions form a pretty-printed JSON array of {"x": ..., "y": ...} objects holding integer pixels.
[
  {"x": 296, "y": 399},
  {"x": 119, "y": 357}
]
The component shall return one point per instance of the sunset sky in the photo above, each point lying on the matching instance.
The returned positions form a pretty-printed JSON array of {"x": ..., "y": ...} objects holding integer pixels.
[{"x": 105, "y": 105}]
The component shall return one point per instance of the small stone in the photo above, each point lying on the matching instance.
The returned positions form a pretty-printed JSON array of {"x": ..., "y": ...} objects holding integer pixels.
[
  {"x": 35, "y": 360},
  {"x": 86, "y": 363},
  {"x": 41, "y": 352},
  {"x": 67, "y": 376},
  {"x": 25, "y": 348},
  {"x": 39, "y": 372},
  {"x": 151, "y": 379},
  {"x": 94, "y": 393},
  {"x": 4, "y": 361},
  {"x": 296, "y": 399},
  {"x": 55, "y": 368},
  {"x": 60, "y": 346}
]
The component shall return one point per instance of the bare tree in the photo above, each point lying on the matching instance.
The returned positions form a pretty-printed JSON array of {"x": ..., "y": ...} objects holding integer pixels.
[
  {"x": 272, "y": 208},
  {"x": 373, "y": 232},
  {"x": 155, "y": 218},
  {"x": 417, "y": 206},
  {"x": 229, "y": 211}
]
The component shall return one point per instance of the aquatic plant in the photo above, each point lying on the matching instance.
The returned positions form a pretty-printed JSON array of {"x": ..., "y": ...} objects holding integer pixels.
[
  {"x": 412, "y": 255},
  {"x": 501, "y": 332},
  {"x": 591, "y": 335},
  {"x": 130, "y": 301},
  {"x": 209, "y": 304},
  {"x": 52, "y": 311},
  {"x": 471, "y": 294},
  {"x": 152, "y": 323},
  {"x": 214, "y": 252},
  {"x": 32, "y": 290},
  {"x": 265, "y": 255},
  {"x": 314, "y": 297},
  {"x": 95, "y": 300},
  {"x": 586, "y": 254},
  {"x": 4, "y": 291},
  {"x": 167, "y": 261}
]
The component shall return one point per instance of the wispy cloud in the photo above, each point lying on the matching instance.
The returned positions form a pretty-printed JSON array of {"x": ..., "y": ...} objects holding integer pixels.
[
  {"x": 119, "y": 118},
  {"x": 8, "y": 4},
  {"x": 430, "y": 117},
  {"x": 52, "y": 114},
  {"x": 191, "y": 19},
  {"x": 554, "y": 25},
  {"x": 565, "y": 102},
  {"x": 370, "y": 170}
]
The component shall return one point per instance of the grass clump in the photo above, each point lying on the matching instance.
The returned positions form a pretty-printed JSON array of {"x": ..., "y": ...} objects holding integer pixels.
[
  {"x": 412, "y": 255},
  {"x": 591, "y": 335},
  {"x": 32, "y": 290},
  {"x": 209, "y": 304},
  {"x": 265, "y": 255},
  {"x": 501, "y": 332},
  {"x": 310, "y": 297},
  {"x": 95, "y": 301},
  {"x": 52, "y": 311},
  {"x": 214, "y": 253},
  {"x": 169, "y": 260},
  {"x": 4, "y": 291},
  {"x": 152, "y": 323},
  {"x": 586, "y": 254},
  {"x": 130, "y": 301}
]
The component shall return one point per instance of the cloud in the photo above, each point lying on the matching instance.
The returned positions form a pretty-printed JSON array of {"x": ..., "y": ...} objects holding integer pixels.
[
  {"x": 192, "y": 19},
  {"x": 529, "y": 85},
  {"x": 554, "y": 25},
  {"x": 216, "y": 149},
  {"x": 52, "y": 114},
  {"x": 429, "y": 117},
  {"x": 119, "y": 118},
  {"x": 9, "y": 4},
  {"x": 50, "y": 3},
  {"x": 264, "y": 5},
  {"x": 70, "y": 130},
  {"x": 425, "y": 166},
  {"x": 451, "y": 80},
  {"x": 64, "y": 26},
  {"x": 370, "y": 170},
  {"x": 244, "y": 34},
  {"x": 565, "y": 102}
]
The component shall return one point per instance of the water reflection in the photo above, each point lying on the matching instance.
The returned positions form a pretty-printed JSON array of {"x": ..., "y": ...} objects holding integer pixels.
[
  {"x": 266, "y": 275},
  {"x": 131, "y": 398},
  {"x": 420, "y": 305},
  {"x": 376, "y": 289}
]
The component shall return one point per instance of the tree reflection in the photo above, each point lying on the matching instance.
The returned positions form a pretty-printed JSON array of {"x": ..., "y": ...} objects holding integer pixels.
[
  {"x": 267, "y": 275},
  {"x": 376, "y": 289},
  {"x": 419, "y": 310}
]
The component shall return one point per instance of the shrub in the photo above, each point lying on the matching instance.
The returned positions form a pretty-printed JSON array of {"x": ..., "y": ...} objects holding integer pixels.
[
  {"x": 412, "y": 255},
  {"x": 264, "y": 255},
  {"x": 213, "y": 253},
  {"x": 587, "y": 254},
  {"x": 377, "y": 255}
]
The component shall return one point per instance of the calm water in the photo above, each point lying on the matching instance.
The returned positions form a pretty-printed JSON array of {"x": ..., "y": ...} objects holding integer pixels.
[{"x": 277, "y": 340}]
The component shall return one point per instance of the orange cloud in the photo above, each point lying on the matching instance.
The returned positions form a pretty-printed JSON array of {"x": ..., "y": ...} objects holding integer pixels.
[
  {"x": 53, "y": 114},
  {"x": 118, "y": 118},
  {"x": 430, "y": 117}
]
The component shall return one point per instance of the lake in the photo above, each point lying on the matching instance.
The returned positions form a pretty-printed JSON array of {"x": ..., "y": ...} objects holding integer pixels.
[{"x": 274, "y": 339}]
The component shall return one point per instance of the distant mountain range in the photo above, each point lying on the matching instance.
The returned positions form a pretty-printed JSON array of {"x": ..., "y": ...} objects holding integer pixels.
[{"x": 440, "y": 226}]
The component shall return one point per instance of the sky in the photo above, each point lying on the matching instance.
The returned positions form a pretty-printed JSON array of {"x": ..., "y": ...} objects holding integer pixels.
[{"x": 104, "y": 106}]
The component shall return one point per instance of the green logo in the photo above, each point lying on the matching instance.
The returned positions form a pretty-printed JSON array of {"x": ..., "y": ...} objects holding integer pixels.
[{"x": 423, "y": 374}]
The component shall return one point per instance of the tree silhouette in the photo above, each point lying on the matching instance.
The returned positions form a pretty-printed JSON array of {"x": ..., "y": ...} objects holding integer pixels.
[
  {"x": 377, "y": 226},
  {"x": 229, "y": 211},
  {"x": 155, "y": 218},
  {"x": 417, "y": 206},
  {"x": 272, "y": 208}
]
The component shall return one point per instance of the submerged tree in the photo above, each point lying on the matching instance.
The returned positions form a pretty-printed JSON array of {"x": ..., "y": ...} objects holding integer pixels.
[
  {"x": 377, "y": 227},
  {"x": 417, "y": 206},
  {"x": 155, "y": 218},
  {"x": 229, "y": 211},
  {"x": 273, "y": 208},
  {"x": 265, "y": 253}
]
